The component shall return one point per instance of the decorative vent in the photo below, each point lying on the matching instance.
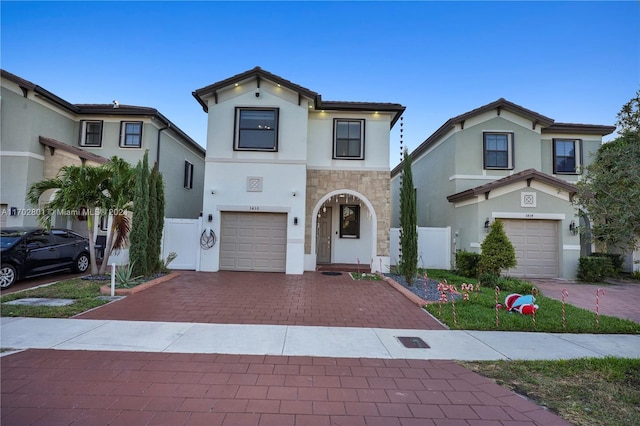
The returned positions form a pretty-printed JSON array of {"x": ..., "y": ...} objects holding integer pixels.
[
  {"x": 413, "y": 342},
  {"x": 254, "y": 184},
  {"x": 528, "y": 199}
]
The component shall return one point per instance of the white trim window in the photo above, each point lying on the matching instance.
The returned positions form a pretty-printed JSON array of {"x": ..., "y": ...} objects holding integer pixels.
[
  {"x": 131, "y": 134},
  {"x": 256, "y": 129},
  {"x": 188, "y": 175},
  {"x": 91, "y": 133},
  {"x": 567, "y": 156},
  {"x": 497, "y": 150},
  {"x": 348, "y": 139}
]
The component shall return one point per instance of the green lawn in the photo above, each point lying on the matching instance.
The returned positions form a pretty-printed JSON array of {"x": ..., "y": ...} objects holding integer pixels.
[{"x": 85, "y": 292}]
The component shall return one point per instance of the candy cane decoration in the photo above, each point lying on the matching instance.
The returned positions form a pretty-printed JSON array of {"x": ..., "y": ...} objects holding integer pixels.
[
  {"x": 534, "y": 293},
  {"x": 565, "y": 293},
  {"x": 497, "y": 306},
  {"x": 424, "y": 288},
  {"x": 597, "y": 306},
  {"x": 453, "y": 305},
  {"x": 442, "y": 288},
  {"x": 477, "y": 290}
]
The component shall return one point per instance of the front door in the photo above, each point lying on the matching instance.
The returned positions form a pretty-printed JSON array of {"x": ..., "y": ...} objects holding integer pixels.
[{"x": 324, "y": 236}]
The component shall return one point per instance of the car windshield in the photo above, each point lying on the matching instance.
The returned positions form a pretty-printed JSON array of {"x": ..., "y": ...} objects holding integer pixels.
[{"x": 9, "y": 238}]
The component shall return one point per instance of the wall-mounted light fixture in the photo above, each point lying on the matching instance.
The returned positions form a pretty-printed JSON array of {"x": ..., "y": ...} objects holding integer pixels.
[
  {"x": 573, "y": 228},
  {"x": 487, "y": 225}
]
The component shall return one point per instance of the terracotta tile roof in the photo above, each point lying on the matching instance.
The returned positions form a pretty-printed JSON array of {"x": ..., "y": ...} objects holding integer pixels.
[{"x": 528, "y": 175}]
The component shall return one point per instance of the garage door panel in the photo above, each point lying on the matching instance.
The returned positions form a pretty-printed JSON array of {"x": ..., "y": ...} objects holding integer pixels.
[
  {"x": 536, "y": 246},
  {"x": 253, "y": 242}
]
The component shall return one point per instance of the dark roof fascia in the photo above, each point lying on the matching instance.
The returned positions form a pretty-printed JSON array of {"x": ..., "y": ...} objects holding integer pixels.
[
  {"x": 450, "y": 123},
  {"x": 84, "y": 155},
  {"x": 395, "y": 109},
  {"x": 254, "y": 72},
  {"x": 528, "y": 174},
  {"x": 318, "y": 103},
  {"x": 96, "y": 109},
  {"x": 589, "y": 129}
]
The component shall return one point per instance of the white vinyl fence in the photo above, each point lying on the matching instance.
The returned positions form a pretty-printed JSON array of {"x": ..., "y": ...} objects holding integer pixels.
[
  {"x": 434, "y": 247},
  {"x": 182, "y": 236}
]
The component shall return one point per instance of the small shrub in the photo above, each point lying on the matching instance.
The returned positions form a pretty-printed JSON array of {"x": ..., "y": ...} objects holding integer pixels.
[
  {"x": 170, "y": 258},
  {"x": 467, "y": 263},
  {"x": 488, "y": 280},
  {"x": 124, "y": 275},
  {"x": 617, "y": 261},
  {"x": 594, "y": 268},
  {"x": 636, "y": 275},
  {"x": 497, "y": 252}
]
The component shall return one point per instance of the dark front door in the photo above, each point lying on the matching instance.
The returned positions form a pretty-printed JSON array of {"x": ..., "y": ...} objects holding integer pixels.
[{"x": 324, "y": 236}]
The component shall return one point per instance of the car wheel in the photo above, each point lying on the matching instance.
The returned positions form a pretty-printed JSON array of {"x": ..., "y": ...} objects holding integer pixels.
[
  {"x": 7, "y": 276},
  {"x": 82, "y": 263}
]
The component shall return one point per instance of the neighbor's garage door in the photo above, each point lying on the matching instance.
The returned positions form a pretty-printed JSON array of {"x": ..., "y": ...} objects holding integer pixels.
[
  {"x": 253, "y": 242},
  {"x": 536, "y": 245}
]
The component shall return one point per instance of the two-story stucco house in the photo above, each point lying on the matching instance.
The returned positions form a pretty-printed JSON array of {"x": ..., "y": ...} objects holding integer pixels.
[
  {"x": 42, "y": 132},
  {"x": 503, "y": 161},
  {"x": 293, "y": 181}
]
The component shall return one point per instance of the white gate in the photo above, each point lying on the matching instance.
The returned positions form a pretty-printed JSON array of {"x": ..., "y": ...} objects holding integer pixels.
[
  {"x": 434, "y": 247},
  {"x": 182, "y": 236}
]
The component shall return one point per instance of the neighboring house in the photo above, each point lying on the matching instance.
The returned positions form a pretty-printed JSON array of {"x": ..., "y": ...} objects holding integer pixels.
[
  {"x": 503, "y": 161},
  {"x": 293, "y": 181},
  {"x": 42, "y": 132}
]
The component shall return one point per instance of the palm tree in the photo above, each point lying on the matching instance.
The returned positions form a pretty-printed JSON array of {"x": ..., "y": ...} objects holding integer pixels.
[
  {"x": 75, "y": 187},
  {"x": 118, "y": 198}
]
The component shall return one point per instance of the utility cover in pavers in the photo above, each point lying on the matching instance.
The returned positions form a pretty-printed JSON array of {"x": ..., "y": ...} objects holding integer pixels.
[
  {"x": 41, "y": 301},
  {"x": 413, "y": 342}
]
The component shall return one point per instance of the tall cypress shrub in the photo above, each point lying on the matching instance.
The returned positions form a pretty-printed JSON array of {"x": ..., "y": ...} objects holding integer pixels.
[
  {"x": 140, "y": 222},
  {"x": 408, "y": 222},
  {"x": 160, "y": 216},
  {"x": 153, "y": 263}
]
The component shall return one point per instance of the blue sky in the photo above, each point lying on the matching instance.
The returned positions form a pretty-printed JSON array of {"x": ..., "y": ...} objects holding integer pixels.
[{"x": 571, "y": 61}]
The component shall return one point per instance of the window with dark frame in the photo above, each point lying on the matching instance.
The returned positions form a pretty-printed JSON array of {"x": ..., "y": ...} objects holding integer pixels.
[
  {"x": 91, "y": 133},
  {"x": 498, "y": 150},
  {"x": 348, "y": 139},
  {"x": 131, "y": 134},
  {"x": 188, "y": 175},
  {"x": 349, "y": 221},
  {"x": 256, "y": 129},
  {"x": 566, "y": 156}
]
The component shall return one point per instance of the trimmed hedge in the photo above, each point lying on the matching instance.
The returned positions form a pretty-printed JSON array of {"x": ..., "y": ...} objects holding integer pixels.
[
  {"x": 594, "y": 268},
  {"x": 616, "y": 261},
  {"x": 467, "y": 263}
]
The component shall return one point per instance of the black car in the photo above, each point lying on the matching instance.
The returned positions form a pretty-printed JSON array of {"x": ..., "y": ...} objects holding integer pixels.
[{"x": 30, "y": 252}]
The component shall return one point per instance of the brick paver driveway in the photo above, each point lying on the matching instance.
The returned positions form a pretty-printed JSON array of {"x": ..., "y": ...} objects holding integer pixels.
[
  {"x": 48, "y": 387},
  {"x": 311, "y": 299}
]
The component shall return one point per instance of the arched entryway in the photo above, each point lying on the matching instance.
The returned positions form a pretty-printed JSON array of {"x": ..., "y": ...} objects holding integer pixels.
[{"x": 344, "y": 229}]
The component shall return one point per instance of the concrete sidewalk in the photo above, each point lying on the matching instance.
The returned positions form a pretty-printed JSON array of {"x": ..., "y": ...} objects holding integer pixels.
[{"x": 343, "y": 342}]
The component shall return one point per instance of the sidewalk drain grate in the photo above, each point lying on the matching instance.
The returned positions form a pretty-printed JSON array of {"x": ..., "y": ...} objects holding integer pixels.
[{"x": 413, "y": 342}]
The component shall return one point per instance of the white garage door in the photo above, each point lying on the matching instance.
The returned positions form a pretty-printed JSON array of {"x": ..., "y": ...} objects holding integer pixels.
[
  {"x": 536, "y": 245},
  {"x": 253, "y": 242}
]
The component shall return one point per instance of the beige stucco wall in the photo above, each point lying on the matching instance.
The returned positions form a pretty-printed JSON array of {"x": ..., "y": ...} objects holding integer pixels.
[{"x": 374, "y": 185}]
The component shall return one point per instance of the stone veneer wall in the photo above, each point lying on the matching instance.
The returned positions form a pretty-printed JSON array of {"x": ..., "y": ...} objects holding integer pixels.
[{"x": 375, "y": 186}]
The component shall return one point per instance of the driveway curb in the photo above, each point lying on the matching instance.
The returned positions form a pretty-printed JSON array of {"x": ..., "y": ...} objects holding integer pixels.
[{"x": 106, "y": 289}]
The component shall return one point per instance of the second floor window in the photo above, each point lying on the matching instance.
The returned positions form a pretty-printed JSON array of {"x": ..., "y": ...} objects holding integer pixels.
[
  {"x": 131, "y": 134},
  {"x": 188, "y": 175},
  {"x": 566, "y": 156},
  {"x": 498, "y": 150},
  {"x": 256, "y": 129},
  {"x": 91, "y": 133},
  {"x": 348, "y": 139}
]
